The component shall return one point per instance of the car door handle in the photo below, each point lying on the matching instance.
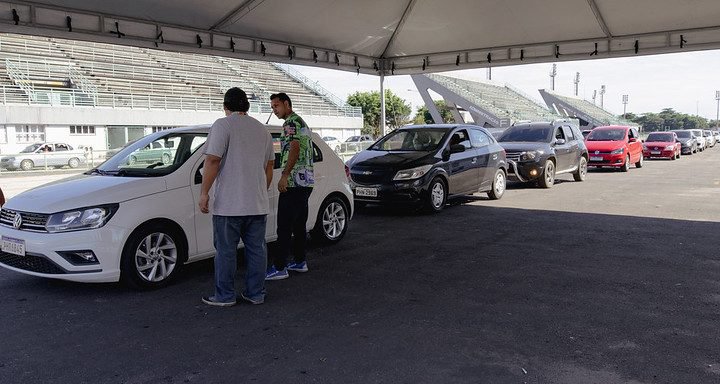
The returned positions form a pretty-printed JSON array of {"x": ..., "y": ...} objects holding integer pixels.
[
  {"x": 494, "y": 157},
  {"x": 474, "y": 160}
]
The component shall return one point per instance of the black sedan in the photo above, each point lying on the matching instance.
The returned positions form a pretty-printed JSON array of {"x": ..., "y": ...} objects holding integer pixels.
[{"x": 429, "y": 164}]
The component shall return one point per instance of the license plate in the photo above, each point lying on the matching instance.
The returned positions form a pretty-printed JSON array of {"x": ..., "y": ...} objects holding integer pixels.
[
  {"x": 596, "y": 158},
  {"x": 366, "y": 192},
  {"x": 654, "y": 152},
  {"x": 13, "y": 246}
]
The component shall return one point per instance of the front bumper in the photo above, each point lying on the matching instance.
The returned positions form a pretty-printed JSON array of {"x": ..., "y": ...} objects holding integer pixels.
[
  {"x": 661, "y": 154},
  {"x": 42, "y": 258},
  {"x": 524, "y": 171},
  {"x": 606, "y": 160},
  {"x": 396, "y": 192}
]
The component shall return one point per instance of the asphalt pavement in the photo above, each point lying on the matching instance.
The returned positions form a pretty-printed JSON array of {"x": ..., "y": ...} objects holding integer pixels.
[{"x": 611, "y": 280}]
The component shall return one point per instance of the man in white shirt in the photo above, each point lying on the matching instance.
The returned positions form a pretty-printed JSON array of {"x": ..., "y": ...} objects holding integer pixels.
[{"x": 239, "y": 160}]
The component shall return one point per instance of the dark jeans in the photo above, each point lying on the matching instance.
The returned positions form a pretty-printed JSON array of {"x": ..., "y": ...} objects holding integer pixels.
[
  {"x": 227, "y": 233},
  {"x": 292, "y": 217}
]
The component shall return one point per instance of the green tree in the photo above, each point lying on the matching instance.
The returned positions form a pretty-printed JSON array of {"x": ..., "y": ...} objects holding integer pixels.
[
  {"x": 397, "y": 110},
  {"x": 423, "y": 116},
  {"x": 668, "y": 118}
]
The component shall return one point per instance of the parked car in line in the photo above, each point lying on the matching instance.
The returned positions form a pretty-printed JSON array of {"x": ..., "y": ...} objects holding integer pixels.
[
  {"x": 141, "y": 223},
  {"x": 355, "y": 144},
  {"x": 662, "y": 145},
  {"x": 688, "y": 141},
  {"x": 615, "y": 146},
  {"x": 538, "y": 152},
  {"x": 54, "y": 155},
  {"x": 161, "y": 151},
  {"x": 427, "y": 164},
  {"x": 702, "y": 142},
  {"x": 332, "y": 142},
  {"x": 709, "y": 138}
]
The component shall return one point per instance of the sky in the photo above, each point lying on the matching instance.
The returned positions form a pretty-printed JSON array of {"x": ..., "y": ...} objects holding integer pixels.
[{"x": 685, "y": 82}]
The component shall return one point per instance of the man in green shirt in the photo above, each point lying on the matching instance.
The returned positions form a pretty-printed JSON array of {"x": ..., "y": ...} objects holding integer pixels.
[{"x": 295, "y": 186}]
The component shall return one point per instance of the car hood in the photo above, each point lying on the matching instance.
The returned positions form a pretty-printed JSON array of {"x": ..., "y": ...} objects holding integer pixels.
[
  {"x": 659, "y": 143},
  {"x": 399, "y": 160},
  {"x": 519, "y": 146},
  {"x": 84, "y": 191},
  {"x": 604, "y": 145}
]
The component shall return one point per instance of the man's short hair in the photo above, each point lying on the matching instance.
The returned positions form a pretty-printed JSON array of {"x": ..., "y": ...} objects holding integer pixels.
[
  {"x": 236, "y": 100},
  {"x": 282, "y": 96}
]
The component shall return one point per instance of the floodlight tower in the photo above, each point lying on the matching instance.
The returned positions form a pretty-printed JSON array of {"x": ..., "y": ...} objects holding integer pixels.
[
  {"x": 577, "y": 82},
  {"x": 602, "y": 96},
  {"x": 717, "y": 116},
  {"x": 625, "y": 102},
  {"x": 594, "y": 96},
  {"x": 553, "y": 73}
]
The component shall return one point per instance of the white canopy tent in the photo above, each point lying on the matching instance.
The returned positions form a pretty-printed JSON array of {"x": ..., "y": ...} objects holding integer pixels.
[{"x": 384, "y": 37}]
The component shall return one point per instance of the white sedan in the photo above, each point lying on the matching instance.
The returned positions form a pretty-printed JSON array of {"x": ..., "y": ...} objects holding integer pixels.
[{"x": 139, "y": 223}]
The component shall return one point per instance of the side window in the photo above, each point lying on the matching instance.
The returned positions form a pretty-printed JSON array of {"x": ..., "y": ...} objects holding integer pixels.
[
  {"x": 568, "y": 133},
  {"x": 478, "y": 139},
  {"x": 460, "y": 137},
  {"x": 61, "y": 147},
  {"x": 559, "y": 133},
  {"x": 317, "y": 154}
]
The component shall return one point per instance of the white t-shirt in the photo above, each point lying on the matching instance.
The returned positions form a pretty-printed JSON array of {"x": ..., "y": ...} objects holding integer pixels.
[{"x": 245, "y": 146}]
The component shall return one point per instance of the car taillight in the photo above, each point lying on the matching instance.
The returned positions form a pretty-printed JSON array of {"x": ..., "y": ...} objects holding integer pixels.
[{"x": 347, "y": 172}]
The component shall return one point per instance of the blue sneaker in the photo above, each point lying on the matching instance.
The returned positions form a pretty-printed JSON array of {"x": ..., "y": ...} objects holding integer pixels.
[
  {"x": 298, "y": 267},
  {"x": 274, "y": 274}
]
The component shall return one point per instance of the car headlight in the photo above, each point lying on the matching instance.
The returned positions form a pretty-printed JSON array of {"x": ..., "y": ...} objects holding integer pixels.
[
  {"x": 8, "y": 159},
  {"x": 670, "y": 147},
  {"x": 530, "y": 155},
  {"x": 617, "y": 151},
  {"x": 79, "y": 219},
  {"x": 644, "y": 146},
  {"x": 413, "y": 173}
]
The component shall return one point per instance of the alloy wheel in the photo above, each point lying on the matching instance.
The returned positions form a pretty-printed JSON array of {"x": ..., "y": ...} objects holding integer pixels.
[
  {"x": 156, "y": 257},
  {"x": 437, "y": 195},
  {"x": 334, "y": 220}
]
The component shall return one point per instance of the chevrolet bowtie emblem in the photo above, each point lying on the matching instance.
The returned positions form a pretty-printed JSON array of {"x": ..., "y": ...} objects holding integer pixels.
[{"x": 367, "y": 172}]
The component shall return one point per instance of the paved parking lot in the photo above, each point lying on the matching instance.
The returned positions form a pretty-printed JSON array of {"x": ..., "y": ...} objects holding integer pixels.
[{"x": 613, "y": 280}]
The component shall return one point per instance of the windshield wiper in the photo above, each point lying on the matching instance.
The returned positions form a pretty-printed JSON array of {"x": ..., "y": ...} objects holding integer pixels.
[{"x": 95, "y": 171}]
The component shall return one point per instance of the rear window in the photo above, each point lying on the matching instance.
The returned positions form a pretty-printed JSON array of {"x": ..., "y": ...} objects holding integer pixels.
[{"x": 660, "y": 137}]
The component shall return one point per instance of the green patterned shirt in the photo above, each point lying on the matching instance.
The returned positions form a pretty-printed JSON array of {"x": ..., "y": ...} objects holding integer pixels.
[{"x": 302, "y": 174}]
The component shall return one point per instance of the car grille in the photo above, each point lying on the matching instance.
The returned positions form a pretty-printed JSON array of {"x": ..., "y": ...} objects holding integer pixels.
[
  {"x": 599, "y": 153},
  {"x": 513, "y": 155},
  {"x": 31, "y": 263},
  {"x": 34, "y": 222},
  {"x": 370, "y": 176}
]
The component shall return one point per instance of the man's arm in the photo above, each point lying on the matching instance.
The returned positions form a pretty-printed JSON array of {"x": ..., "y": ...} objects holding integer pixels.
[
  {"x": 2, "y": 198},
  {"x": 211, "y": 168},
  {"x": 293, "y": 156},
  {"x": 269, "y": 172}
]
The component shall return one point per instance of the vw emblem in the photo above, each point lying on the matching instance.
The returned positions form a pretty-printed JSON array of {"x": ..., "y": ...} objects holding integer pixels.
[
  {"x": 597, "y": 152},
  {"x": 17, "y": 222},
  {"x": 367, "y": 172}
]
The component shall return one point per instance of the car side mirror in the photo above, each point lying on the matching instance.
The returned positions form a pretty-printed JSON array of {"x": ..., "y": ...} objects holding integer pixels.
[
  {"x": 457, "y": 148},
  {"x": 643, "y": 140},
  {"x": 559, "y": 141},
  {"x": 632, "y": 140},
  {"x": 446, "y": 154}
]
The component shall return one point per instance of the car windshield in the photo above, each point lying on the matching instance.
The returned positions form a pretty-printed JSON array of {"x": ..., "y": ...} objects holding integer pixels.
[
  {"x": 413, "y": 139},
  {"x": 533, "y": 134},
  {"x": 153, "y": 155},
  {"x": 684, "y": 134},
  {"x": 31, "y": 148},
  {"x": 660, "y": 137},
  {"x": 606, "y": 135},
  {"x": 329, "y": 138}
]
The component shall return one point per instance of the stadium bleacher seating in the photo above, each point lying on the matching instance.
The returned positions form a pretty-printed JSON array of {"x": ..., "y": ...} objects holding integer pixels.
[
  {"x": 38, "y": 70},
  {"x": 602, "y": 116}
]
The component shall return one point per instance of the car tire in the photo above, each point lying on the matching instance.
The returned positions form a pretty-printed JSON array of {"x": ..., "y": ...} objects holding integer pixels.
[
  {"x": 436, "y": 195},
  {"x": 332, "y": 220},
  {"x": 548, "y": 176},
  {"x": 27, "y": 165},
  {"x": 143, "y": 269},
  {"x": 581, "y": 173},
  {"x": 626, "y": 165},
  {"x": 498, "y": 185},
  {"x": 639, "y": 163},
  {"x": 74, "y": 162},
  {"x": 166, "y": 158}
]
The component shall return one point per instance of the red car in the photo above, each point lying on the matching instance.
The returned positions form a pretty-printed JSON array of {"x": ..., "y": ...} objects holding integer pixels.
[
  {"x": 614, "y": 146},
  {"x": 662, "y": 145}
]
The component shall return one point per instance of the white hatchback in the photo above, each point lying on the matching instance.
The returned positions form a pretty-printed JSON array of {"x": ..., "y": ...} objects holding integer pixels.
[{"x": 140, "y": 222}]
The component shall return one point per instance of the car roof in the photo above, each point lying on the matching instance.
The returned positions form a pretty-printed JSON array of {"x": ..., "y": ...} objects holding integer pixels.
[{"x": 612, "y": 127}]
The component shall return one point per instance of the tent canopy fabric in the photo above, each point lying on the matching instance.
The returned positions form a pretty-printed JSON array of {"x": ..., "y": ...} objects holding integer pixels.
[{"x": 382, "y": 36}]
